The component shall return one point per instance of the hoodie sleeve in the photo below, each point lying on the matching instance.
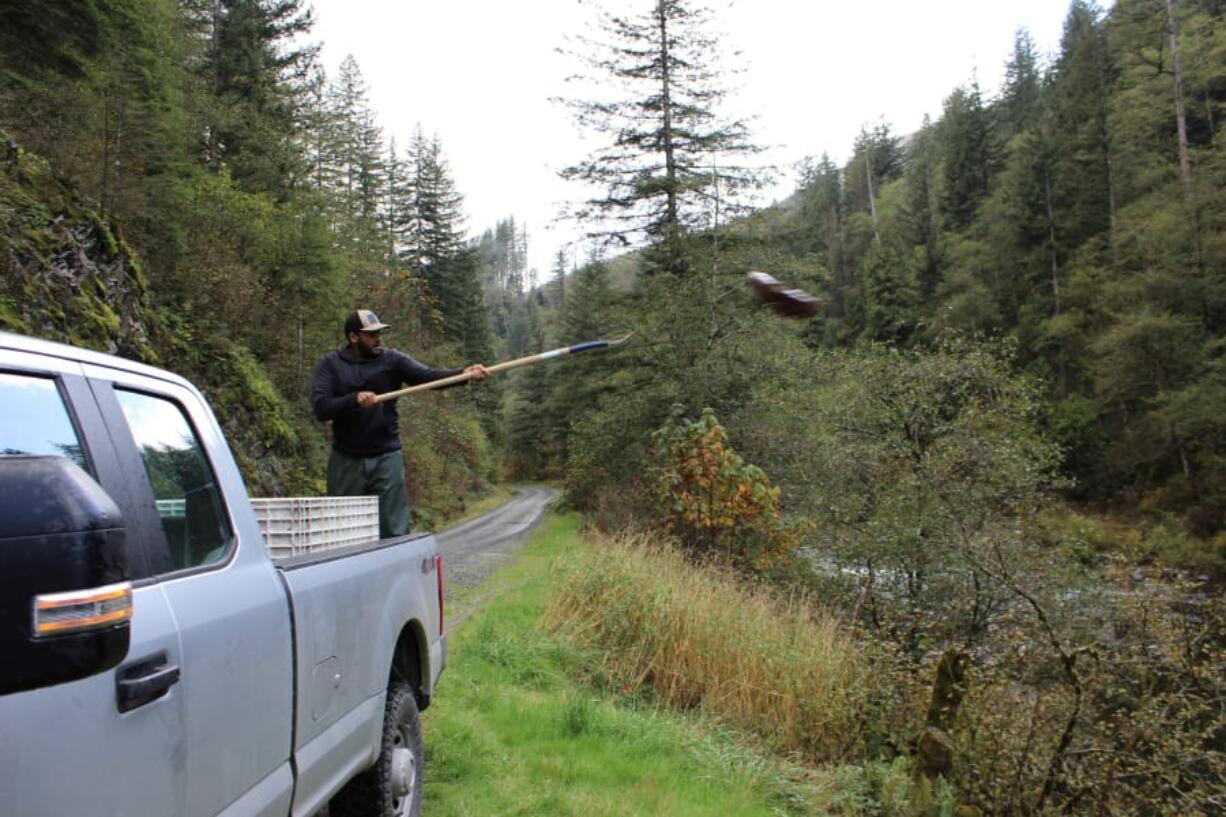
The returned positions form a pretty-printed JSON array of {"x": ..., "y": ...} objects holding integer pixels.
[
  {"x": 412, "y": 371},
  {"x": 325, "y": 400}
]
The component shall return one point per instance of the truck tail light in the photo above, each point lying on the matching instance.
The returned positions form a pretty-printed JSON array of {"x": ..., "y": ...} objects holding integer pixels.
[
  {"x": 438, "y": 569},
  {"x": 81, "y": 610}
]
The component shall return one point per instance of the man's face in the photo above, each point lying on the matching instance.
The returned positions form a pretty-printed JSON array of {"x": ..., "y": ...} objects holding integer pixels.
[{"x": 367, "y": 344}]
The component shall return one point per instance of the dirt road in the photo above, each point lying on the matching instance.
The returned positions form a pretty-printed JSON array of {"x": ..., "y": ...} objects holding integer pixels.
[{"x": 475, "y": 549}]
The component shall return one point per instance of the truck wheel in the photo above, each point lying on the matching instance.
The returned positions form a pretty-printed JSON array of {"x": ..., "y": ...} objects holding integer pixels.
[{"x": 392, "y": 787}]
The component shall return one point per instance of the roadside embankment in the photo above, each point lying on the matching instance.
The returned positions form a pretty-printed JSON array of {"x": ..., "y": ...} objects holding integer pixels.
[
  {"x": 515, "y": 728},
  {"x": 597, "y": 677}
]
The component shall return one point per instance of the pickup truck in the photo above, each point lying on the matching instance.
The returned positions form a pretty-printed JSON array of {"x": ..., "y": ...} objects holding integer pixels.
[{"x": 156, "y": 664}]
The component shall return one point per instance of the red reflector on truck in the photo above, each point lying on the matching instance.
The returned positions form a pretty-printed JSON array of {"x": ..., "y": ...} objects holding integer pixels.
[{"x": 438, "y": 568}]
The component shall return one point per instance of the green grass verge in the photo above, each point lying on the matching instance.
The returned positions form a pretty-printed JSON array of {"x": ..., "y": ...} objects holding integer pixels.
[{"x": 511, "y": 731}]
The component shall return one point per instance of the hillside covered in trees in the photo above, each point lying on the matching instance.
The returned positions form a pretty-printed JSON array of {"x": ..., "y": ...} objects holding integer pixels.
[
  {"x": 999, "y": 444},
  {"x": 1075, "y": 218}
]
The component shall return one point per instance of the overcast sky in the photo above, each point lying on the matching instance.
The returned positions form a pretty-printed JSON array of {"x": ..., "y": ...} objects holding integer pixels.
[{"x": 480, "y": 73}]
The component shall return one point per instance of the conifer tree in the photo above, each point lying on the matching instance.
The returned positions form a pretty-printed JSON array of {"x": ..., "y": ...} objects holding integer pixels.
[
  {"x": 970, "y": 154},
  {"x": 668, "y": 150},
  {"x": 318, "y": 132},
  {"x": 891, "y": 295},
  {"x": 530, "y": 442},
  {"x": 357, "y": 143},
  {"x": 392, "y": 195},
  {"x": 1082, "y": 183},
  {"x": 429, "y": 229},
  {"x": 1019, "y": 98},
  {"x": 819, "y": 231},
  {"x": 558, "y": 296},
  {"x": 255, "y": 69},
  {"x": 579, "y": 382},
  {"x": 921, "y": 210},
  {"x": 820, "y": 190},
  {"x": 876, "y": 159}
]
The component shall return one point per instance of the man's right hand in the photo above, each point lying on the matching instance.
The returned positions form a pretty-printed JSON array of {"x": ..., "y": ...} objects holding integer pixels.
[{"x": 366, "y": 399}]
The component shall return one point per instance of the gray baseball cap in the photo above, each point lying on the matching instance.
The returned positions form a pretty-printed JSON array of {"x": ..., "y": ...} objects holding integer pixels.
[{"x": 363, "y": 320}]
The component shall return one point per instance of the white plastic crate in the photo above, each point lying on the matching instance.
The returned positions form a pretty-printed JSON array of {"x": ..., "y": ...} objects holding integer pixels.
[
  {"x": 172, "y": 508},
  {"x": 293, "y": 526}
]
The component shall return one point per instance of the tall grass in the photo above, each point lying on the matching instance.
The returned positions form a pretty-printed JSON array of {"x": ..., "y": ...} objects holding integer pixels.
[
  {"x": 701, "y": 639},
  {"x": 514, "y": 732}
]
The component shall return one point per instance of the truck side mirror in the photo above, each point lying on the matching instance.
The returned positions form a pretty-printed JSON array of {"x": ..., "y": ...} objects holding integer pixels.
[{"x": 65, "y": 598}]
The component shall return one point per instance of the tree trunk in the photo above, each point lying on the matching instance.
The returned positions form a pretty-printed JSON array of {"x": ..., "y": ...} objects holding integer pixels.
[
  {"x": 1051, "y": 239},
  {"x": 1181, "y": 117},
  {"x": 214, "y": 145},
  {"x": 105, "y": 182},
  {"x": 670, "y": 165},
  {"x": 936, "y": 748},
  {"x": 872, "y": 201}
]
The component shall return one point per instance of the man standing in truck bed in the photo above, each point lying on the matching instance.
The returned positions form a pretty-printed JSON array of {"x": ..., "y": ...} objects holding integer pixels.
[{"x": 366, "y": 457}]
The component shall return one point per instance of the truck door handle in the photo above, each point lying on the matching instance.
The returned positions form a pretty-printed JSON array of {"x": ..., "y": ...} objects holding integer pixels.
[{"x": 143, "y": 681}]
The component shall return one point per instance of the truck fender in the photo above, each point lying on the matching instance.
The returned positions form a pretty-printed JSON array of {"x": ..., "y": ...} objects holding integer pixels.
[{"x": 404, "y": 646}]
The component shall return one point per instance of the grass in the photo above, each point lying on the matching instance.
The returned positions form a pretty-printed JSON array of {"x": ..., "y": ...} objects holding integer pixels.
[
  {"x": 513, "y": 731},
  {"x": 705, "y": 640}
]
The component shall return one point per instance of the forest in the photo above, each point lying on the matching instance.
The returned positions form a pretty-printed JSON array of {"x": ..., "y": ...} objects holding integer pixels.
[{"x": 999, "y": 444}]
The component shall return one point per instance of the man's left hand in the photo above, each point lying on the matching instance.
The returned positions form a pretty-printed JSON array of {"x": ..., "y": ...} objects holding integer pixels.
[{"x": 477, "y": 372}]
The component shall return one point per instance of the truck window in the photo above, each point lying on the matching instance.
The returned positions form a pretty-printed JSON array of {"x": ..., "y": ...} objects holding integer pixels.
[
  {"x": 34, "y": 420},
  {"x": 188, "y": 500}
]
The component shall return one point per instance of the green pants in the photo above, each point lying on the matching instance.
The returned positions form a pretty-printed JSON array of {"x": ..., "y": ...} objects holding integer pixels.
[{"x": 381, "y": 475}]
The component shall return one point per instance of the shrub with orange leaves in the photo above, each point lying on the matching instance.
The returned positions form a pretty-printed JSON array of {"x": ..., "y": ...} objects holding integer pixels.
[{"x": 714, "y": 502}]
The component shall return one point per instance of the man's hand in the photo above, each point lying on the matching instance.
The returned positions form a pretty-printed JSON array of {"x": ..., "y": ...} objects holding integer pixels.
[
  {"x": 477, "y": 371},
  {"x": 366, "y": 399}
]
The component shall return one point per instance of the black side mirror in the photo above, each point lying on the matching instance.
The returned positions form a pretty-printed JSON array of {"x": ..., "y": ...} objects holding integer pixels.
[{"x": 65, "y": 599}]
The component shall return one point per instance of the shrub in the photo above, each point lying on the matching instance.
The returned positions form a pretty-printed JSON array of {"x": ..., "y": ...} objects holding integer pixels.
[
  {"x": 713, "y": 501},
  {"x": 922, "y": 472},
  {"x": 447, "y": 459},
  {"x": 1146, "y": 731}
]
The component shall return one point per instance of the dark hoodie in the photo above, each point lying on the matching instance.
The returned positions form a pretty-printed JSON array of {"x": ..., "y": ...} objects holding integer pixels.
[{"x": 358, "y": 432}]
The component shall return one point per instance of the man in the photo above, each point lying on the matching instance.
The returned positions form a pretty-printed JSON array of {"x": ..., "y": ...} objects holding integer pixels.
[{"x": 366, "y": 457}]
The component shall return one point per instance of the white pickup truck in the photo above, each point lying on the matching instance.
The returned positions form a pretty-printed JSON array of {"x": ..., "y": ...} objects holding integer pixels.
[{"x": 156, "y": 664}]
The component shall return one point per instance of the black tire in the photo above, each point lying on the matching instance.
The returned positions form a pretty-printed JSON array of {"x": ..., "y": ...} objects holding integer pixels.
[{"x": 379, "y": 791}]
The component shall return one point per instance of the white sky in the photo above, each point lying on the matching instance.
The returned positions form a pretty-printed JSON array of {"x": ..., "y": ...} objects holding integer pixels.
[{"x": 480, "y": 74}]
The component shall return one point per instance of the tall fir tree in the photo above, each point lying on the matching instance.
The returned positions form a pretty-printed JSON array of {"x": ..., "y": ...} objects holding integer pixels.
[
  {"x": 1019, "y": 98},
  {"x": 256, "y": 73},
  {"x": 357, "y": 144},
  {"x": 921, "y": 214},
  {"x": 970, "y": 153},
  {"x": 877, "y": 157},
  {"x": 1082, "y": 183},
  {"x": 669, "y": 152}
]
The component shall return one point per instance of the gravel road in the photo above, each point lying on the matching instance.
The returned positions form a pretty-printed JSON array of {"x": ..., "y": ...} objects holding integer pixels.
[{"x": 475, "y": 549}]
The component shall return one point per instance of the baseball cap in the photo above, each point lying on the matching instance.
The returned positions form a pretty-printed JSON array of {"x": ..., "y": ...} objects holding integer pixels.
[{"x": 363, "y": 320}]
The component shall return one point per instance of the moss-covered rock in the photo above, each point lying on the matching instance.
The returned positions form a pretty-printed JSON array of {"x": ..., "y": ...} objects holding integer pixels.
[
  {"x": 68, "y": 276},
  {"x": 278, "y": 449},
  {"x": 71, "y": 277}
]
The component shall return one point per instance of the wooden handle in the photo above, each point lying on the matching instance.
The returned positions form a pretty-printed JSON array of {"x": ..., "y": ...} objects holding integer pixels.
[
  {"x": 458, "y": 378},
  {"x": 500, "y": 367}
]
